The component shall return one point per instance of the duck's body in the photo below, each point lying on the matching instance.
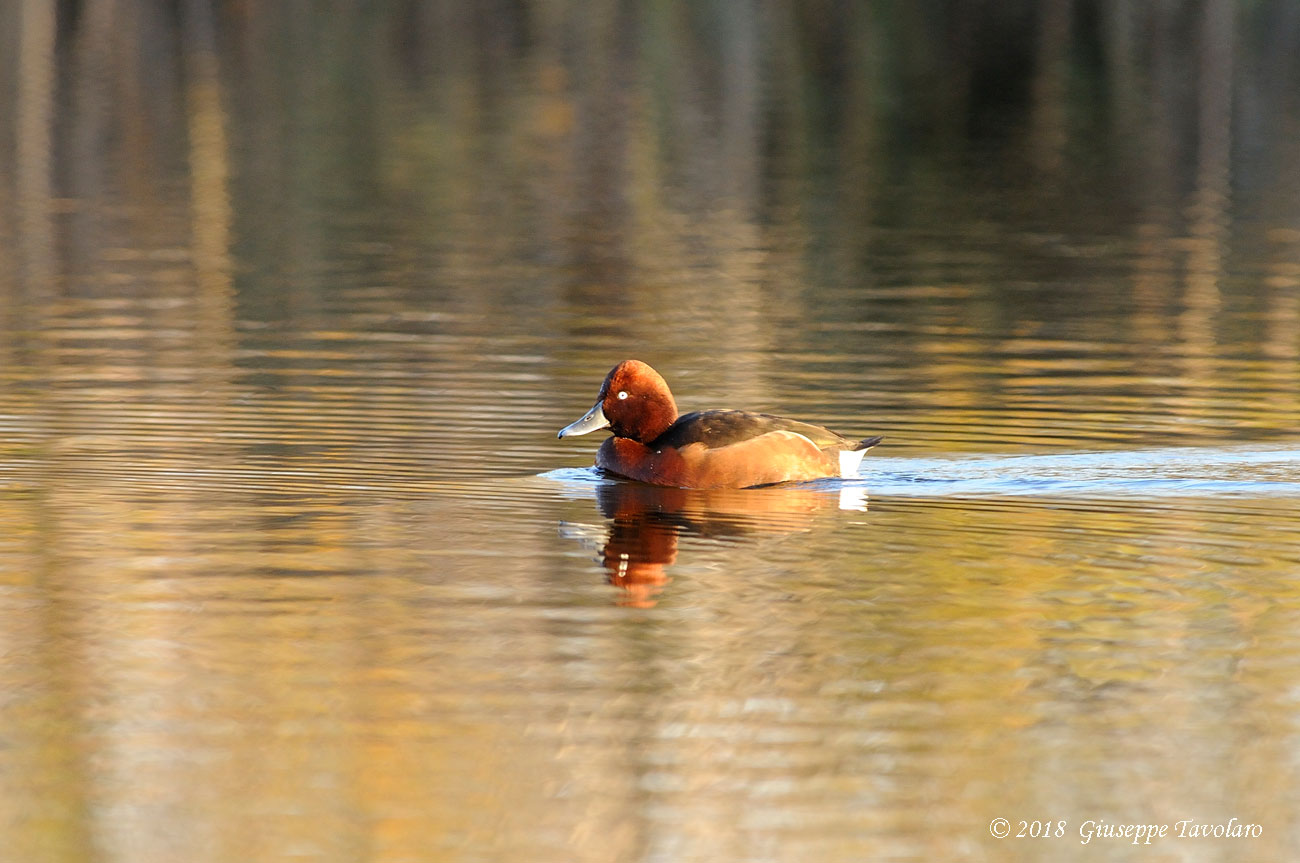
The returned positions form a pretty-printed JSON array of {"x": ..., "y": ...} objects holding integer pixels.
[{"x": 706, "y": 449}]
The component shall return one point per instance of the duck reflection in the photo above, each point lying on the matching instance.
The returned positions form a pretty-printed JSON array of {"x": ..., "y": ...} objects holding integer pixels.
[{"x": 646, "y": 522}]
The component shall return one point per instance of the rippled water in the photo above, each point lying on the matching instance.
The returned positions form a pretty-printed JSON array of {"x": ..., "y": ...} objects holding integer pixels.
[{"x": 292, "y": 565}]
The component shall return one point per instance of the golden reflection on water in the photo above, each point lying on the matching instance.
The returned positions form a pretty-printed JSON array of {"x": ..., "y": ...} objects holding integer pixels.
[
  {"x": 33, "y": 140},
  {"x": 291, "y": 305},
  {"x": 329, "y": 672}
]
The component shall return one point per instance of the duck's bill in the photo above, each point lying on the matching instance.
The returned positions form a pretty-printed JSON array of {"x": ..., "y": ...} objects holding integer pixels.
[{"x": 592, "y": 420}]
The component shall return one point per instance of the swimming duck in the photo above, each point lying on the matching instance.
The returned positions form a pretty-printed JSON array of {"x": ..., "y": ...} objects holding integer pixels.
[{"x": 706, "y": 449}]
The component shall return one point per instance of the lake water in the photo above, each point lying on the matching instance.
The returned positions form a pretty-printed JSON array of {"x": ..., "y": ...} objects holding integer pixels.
[{"x": 292, "y": 564}]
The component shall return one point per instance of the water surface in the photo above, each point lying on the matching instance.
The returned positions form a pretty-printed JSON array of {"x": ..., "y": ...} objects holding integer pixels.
[{"x": 292, "y": 565}]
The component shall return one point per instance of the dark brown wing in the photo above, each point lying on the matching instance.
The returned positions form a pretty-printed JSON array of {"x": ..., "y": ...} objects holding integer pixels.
[{"x": 723, "y": 428}]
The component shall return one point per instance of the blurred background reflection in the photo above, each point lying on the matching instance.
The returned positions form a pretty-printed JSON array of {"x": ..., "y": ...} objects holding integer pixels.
[{"x": 293, "y": 298}]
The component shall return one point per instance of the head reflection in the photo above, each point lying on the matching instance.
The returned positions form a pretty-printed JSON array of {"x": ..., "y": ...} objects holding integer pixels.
[{"x": 646, "y": 522}]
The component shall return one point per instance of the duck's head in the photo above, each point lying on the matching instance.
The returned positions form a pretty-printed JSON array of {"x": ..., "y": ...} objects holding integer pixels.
[{"x": 633, "y": 402}]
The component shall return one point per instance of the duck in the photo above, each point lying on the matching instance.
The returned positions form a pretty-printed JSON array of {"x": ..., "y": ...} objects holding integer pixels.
[{"x": 651, "y": 443}]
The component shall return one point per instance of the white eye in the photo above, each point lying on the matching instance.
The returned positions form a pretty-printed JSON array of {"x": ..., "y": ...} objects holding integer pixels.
[{"x": 622, "y": 394}]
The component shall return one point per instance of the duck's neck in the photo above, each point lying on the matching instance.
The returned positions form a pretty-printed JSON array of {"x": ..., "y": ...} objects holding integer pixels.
[{"x": 656, "y": 416}]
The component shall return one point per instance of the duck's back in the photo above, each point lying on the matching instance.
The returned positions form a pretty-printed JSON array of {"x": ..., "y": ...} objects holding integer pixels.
[{"x": 719, "y": 428}]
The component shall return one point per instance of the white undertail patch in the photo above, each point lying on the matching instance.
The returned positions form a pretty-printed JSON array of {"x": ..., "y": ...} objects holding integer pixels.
[{"x": 850, "y": 459}]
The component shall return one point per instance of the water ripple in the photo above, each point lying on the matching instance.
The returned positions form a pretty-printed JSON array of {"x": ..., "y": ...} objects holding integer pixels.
[{"x": 1174, "y": 471}]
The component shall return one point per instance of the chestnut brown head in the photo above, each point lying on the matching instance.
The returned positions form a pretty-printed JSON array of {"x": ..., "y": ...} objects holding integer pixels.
[{"x": 634, "y": 402}]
